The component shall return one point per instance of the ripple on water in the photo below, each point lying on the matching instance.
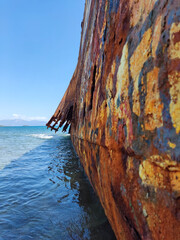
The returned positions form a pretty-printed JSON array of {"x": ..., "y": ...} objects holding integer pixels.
[{"x": 44, "y": 194}]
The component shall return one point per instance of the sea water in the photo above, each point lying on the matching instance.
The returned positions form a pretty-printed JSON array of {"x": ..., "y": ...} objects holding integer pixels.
[{"x": 44, "y": 193}]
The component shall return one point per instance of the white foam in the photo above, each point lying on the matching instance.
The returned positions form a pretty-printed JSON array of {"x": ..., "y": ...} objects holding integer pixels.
[
  {"x": 42, "y": 136},
  {"x": 66, "y": 134}
]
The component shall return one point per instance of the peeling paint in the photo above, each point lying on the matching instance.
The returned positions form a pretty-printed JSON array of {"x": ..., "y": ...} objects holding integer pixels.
[{"x": 160, "y": 172}]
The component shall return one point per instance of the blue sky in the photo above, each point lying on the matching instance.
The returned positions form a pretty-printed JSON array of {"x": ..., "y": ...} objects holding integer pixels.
[{"x": 39, "y": 48}]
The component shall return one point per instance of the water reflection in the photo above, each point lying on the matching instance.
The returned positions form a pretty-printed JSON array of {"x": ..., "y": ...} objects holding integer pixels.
[
  {"x": 45, "y": 194},
  {"x": 65, "y": 169}
]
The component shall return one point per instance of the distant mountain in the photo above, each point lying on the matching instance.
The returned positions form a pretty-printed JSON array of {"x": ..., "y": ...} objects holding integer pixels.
[{"x": 19, "y": 122}]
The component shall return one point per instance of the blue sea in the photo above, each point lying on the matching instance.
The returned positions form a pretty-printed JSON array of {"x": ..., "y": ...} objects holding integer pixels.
[{"x": 44, "y": 193}]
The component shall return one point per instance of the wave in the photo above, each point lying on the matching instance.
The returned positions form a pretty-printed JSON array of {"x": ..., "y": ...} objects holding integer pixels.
[
  {"x": 66, "y": 134},
  {"x": 42, "y": 136}
]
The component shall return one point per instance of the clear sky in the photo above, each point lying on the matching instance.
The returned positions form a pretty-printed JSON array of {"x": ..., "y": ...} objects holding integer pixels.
[{"x": 39, "y": 46}]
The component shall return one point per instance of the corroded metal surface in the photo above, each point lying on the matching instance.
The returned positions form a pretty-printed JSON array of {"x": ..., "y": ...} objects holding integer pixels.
[{"x": 124, "y": 110}]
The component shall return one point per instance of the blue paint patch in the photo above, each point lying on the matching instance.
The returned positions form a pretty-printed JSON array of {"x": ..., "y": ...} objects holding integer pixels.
[
  {"x": 178, "y": 14},
  {"x": 117, "y": 5},
  {"x": 96, "y": 131},
  {"x": 89, "y": 72},
  {"x": 92, "y": 133},
  {"x": 97, "y": 156},
  {"x": 166, "y": 102},
  {"x": 139, "y": 203},
  {"x": 139, "y": 130},
  {"x": 110, "y": 6},
  {"x": 174, "y": 16},
  {"x": 148, "y": 141},
  {"x": 125, "y": 131},
  {"x": 109, "y": 124},
  {"x": 161, "y": 142},
  {"x": 123, "y": 190},
  {"x": 104, "y": 35},
  {"x": 130, "y": 93},
  {"x": 171, "y": 17},
  {"x": 118, "y": 102}
]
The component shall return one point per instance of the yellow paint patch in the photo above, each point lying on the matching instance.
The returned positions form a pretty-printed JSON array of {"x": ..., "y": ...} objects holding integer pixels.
[
  {"x": 102, "y": 112},
  {"x": 109, "y": 89},
  {"x": 122, "y": 75},
  {"x": 130, "y": 168},
  {"x": 140, "y": 10},
  {"x": 137, "y": 61},
  {"x": 174, "y": 80},
  {"x": 156, "y": 35},
  {"x": 110, "y": 103},
  {"x": 160, "y": 172},
  {"x": 172, "y": 145},
  {"x": 135, "y": 12},
  {"x": 174, "y": 49},
  {"x": 122, "y": 85},
  {"x": 101, "y": 31},
  {"x": 109, "y": 82},
  {"x": 153, "y": 105}
]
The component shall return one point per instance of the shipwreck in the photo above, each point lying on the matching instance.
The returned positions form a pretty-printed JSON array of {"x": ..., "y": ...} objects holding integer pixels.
[{"x": 123, "y": 108}]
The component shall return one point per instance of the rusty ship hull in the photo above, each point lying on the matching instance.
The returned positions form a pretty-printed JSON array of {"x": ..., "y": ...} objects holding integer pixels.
[{"x": 123, "y": 108}]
